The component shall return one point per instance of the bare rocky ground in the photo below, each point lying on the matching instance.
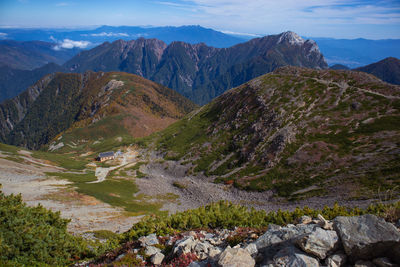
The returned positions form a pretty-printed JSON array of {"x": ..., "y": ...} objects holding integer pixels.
[
  {"x": 86, "y": 213},
  {"x": 196, "y": 191}
]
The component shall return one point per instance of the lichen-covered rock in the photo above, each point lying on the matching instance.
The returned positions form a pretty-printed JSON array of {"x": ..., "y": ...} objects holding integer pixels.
[
  {"x": 367, "y": 237},
  {"x": 319, "y": 242},
  {"x": 235, "y": 257}
]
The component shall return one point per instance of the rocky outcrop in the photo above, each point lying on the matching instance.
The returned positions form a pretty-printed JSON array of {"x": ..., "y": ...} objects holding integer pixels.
[
  {"x": 368, "y": 237},
  {"x": 366, "y": 240}
]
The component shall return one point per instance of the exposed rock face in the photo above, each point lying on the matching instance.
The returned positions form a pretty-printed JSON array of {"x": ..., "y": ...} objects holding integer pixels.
[
  {"x": 197, "y": 71},
  {"x": 367, "y": 237}
]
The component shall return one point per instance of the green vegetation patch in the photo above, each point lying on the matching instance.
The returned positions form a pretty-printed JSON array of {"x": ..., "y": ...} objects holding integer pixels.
[
  {"x": 224, "y": 214},
  {"x": 34, "y": 236},
  {"x": 75, "y": 177}
]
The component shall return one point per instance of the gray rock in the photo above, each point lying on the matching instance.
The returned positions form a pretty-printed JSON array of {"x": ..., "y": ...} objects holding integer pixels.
[
  {"x": 185, "y": 245},
  {"x": 274, "y": 236},
  {"x": 367, "y": 237},
  {"x": 319, "y": 242},
  {"x": 364, "y": 264},
  {"x": 157, "y": 258},
  {"x": 384, "y": 262},
  {"x": 149, "y": 240},
  {"x": 201, "y": 249},
  {"x": 214, "y": 252},
  {"x": 198, "y": 264},
  {"x": 150, "y": 250},
  {"x": 235, "y": 257},
  {"x": 251, "y": 248},
  {"x": 291, "y": 256},
  {"x": 336, "y": 260}
]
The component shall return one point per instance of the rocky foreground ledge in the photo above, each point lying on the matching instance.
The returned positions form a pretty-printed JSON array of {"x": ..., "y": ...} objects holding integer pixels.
[{"x": 345, "y": 241}]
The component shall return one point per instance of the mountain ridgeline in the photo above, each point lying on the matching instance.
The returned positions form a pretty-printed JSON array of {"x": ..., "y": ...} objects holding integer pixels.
[
  {"x": 387, "y": 70},
  {"x": 296, "y": 131},
  {"x": 99, "y": 105},
  {"x": 198, "y": 71}
]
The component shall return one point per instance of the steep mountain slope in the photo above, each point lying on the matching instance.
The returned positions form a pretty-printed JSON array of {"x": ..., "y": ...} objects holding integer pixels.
[
  {"x": 132, "y": 105},
  {"x": 200, "y": 72},
  {"x": 296, "y": 131},
  {"x": 15, "y": 81},
  {"x": 33, "y": 54},
  {"x": 387, "y": 70}
]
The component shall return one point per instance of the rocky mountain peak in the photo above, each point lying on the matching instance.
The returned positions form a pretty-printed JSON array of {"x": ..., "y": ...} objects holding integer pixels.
[{"x": 291, "y": 38}]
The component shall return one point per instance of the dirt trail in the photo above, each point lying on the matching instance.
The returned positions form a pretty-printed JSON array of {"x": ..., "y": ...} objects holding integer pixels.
[{"x": 125, "y": 159}]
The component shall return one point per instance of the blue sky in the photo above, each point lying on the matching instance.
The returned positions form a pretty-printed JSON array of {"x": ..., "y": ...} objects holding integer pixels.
[{"x": 377, "y": 19}]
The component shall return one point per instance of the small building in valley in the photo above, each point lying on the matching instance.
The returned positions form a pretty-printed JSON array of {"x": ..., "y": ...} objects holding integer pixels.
[{"x": 106, "y": 156}]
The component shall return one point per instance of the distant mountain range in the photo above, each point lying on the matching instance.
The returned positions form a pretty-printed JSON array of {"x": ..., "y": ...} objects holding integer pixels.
[
  {"x": 132, "y": 105},
  {"x": 357, "y": 52},
  {"x": 190, "y": 34},
  {"x": 32, "y": 54},
  {"x": 198, "y": 71}
]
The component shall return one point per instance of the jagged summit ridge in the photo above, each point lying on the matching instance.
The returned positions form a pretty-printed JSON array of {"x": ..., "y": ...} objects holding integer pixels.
[
  {"x": 290, "y": 37},
  {"x": 198, "y": 71}
]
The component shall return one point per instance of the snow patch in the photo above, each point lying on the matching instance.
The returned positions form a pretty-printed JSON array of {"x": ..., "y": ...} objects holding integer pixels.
[{"x": 291, "y": 37}]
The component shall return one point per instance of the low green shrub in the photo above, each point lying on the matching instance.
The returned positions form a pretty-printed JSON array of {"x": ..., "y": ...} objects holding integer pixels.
[{"x": 35, "y": 236}]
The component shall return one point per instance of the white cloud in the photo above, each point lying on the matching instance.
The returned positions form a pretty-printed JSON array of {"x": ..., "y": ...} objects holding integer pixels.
[
  {"x": 69, "y": 44},
  {"x": 242, "y": 33},
  {"x": 62, "y": 4},
  {"x": 110, "y": 34}
]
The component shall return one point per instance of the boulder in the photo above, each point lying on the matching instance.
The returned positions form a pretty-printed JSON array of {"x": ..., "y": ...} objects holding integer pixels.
[
  {"x": 277, "y": 235},
  {"x": 150, "y": 250},
  {"x": 235, "y": 257},
  {"x": 149, "y": 240},
  {"x": 336, "y": 260},
  {"x": 291, "y": 256},
  {"x": 157, "y": 258},
  {"x": 319, "y": 242},
  {"x": 367, "y": 237}
]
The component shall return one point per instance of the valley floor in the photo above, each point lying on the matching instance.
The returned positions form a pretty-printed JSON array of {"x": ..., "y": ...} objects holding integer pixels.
[
  {"x": 86, "y": 212},
  {"x": 161, "y": 178}
]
